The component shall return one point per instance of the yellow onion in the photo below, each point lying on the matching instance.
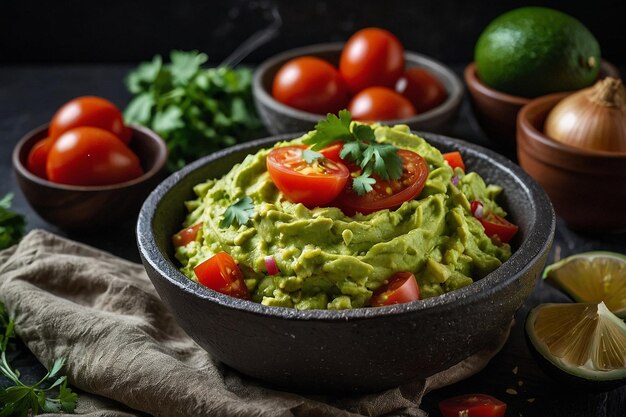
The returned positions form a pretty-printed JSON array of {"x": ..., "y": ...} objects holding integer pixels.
[{"x": 592, "y": 118}]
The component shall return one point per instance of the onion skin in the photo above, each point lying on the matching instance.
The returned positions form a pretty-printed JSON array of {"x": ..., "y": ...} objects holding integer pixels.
[{"x": 593, "y": 118}]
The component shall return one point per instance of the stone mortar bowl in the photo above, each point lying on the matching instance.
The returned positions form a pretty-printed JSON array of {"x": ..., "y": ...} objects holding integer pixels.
[{"x": 360, "y": 350}]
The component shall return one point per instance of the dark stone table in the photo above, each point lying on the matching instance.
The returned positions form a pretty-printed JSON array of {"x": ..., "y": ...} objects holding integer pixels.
[{"x": 29, "y": 95}]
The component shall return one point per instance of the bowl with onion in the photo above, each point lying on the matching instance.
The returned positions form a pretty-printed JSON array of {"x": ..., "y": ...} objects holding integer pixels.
[
  {"x": 574, "y": 145},
  {"x": 295, "y": 89}
]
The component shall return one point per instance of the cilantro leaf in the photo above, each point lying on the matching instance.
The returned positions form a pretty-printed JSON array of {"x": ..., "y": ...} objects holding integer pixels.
[
  {"x": 11, "y": 224},
  {"x": 330, "y": 130},
  {"x": 363, "y": 184},
  {"x": 309, "y": 156},
  {"x": 364, "y": 133},
  {"x": 352, "y": 151},
  {"x": 238, "y": 213}
]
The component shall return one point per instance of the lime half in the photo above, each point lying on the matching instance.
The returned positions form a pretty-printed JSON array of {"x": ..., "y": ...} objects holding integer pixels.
[
  {"x": 584, "y": 340},
  {"x": 592, "y": 277}
]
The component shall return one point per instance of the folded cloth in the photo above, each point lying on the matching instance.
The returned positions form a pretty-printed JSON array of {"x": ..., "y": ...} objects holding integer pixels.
[{"x": 127, "y": 356}]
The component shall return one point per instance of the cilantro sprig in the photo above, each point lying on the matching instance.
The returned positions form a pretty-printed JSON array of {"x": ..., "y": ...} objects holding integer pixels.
[
  {"x": 11, "y": 223},
  {"x": 49, "y": 395},
  {"x": 238, "y": 213},
  {"x": 360, "y": 146}
]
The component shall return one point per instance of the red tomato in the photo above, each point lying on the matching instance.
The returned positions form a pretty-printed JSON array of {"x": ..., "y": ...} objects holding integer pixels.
[
  {"x": 91, "y": 156},
  {"x": 401, "y": 288},
  {"x": 380, "y": 103},
  {"x": 312, "y": 184},
  {"x": 472, "y": 405},
  {"x": 310, "y": 84},
  {"x": 89, "y": 111},
  {"x": 186, "y": 235},
  {"x": 221, "y": 273},
  {"x": 422, "y": 89},
  {"x": 498, "y": 226},
  {"x": 371, "y": 57},
  {"x": 388, "y": 194},
  {"x": 37, "y": 157},
  {"x": 454, "y": 159},
  {"x": 332, "y": 152}
]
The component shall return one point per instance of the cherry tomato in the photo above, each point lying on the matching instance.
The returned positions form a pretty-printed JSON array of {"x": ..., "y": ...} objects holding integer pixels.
[
  {"x": 37, "y": 157},
  {"x": 186, "y": 235},
  {"x": 313, "y": 184},
  {"x": 89, "y": 111},
  {"x": 388, "y": 194},
  {"x": 380, "y": 103},
  {"x": 221, "y": 273},
  {"x": 454, "y": 159},
  {"x": 472, "y": 405},
  {"x": 310, "y": 84},
  {"x": 332, "y": 152},
  {"x": 422, "y": 89},
  {"x": 371, "y": 57},
  {"x": 91, "y": 156},
  {"x": 401, "y": 288},
  {"x": 498, "y": 226}
]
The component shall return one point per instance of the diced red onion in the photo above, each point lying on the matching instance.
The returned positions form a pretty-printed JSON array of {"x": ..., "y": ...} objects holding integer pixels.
[
  {"x": 271, "y": 266},
  {"x": 455, "y": 180},
  {"x": 477, "y": 209}
]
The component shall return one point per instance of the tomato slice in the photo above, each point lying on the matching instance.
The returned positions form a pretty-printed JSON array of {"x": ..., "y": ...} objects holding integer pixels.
[
  {"x": 221, "y": 273},
  {"x": 333, "y": 151},
  {"x": 38, "y": 156},
  {"x": 186, "y": 235},
  {"x": 401, "y": 288},
  {"x": 388, "y": 194},
  {"x": 472, "y": 405},
  {"x": 498, "y": 226},
  {"x": 312, "y": 184},
  {"x": 454, "y": 159}
]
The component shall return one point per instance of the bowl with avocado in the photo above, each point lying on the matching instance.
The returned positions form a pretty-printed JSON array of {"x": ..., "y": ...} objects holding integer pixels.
[{"x": 302, "y": 315}]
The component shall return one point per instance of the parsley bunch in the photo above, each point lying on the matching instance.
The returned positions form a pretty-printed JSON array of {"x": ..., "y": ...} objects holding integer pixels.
[
  {"x": 196, "y": 110},
  {"x": 49, "y": 395},
  {"x": 11, "y": 224},
  {"x": 360, "y": 146}
]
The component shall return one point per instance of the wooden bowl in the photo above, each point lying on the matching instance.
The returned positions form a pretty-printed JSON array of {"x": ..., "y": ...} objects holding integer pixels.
[
  {"x": 280, "y": 118},
  {"x": 496, "y": 112},
  {"x": 73, "y": 207},
  {"x": 586, "y": 186}
]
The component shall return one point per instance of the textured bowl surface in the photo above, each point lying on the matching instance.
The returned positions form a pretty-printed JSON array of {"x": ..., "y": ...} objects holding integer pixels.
[
  {"x": 496, "y": 112},
  {"x": 360, "y": 350},
  {"x": 87, "y": 208},
  {"x": 586, "y": 187},
  {"x": 279, "y": 118}
]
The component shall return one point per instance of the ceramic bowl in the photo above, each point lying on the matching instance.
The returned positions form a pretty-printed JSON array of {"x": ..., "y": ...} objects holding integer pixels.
[
  {"x": 585, "y": 186},
  {"x": 496, "y": 112},
  {"x": 360, "y": 350},
  {"x": 81, "y": 208},
  {"x": 280, "y": 118}
]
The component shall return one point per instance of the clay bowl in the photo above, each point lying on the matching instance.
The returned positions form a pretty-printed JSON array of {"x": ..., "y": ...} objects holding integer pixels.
[
  {"x": 496, "y": 112},
  {"x": 360, "y": 350},
  {"x": 87, "y": 208},
  {"x": 279, "y": 118},
  {"x": 585, "y": 186}
]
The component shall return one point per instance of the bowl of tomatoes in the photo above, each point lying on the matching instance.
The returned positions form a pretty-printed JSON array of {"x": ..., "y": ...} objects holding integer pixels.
[
  {"x": 371, "y": 75},
  {"x": 86, "y": 169}
]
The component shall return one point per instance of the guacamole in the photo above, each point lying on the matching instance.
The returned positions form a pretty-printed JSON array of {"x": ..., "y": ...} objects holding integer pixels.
[{"x": 328, "y": 260}]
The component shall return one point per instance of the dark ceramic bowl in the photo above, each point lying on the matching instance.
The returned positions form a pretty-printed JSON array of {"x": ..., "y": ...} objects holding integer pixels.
[
  {"x": 586, "y": 186},
  {"x": 360, "y": 350},
  {"x": 72, "y": 207},
  {"x": 496, "y": 112},
  {"x": 280, "y": 118}
]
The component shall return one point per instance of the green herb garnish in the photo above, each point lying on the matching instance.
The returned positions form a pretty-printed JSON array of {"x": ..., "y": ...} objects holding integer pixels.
[
  {"x": 238, "y": 213},
  {"x": 310, "y": 156},
  {"x": 11, "y": 224},
  {"x": 359, "y": 146},
  {"x": 49, "y": 395},
  {"x": 196, "y": 110}
]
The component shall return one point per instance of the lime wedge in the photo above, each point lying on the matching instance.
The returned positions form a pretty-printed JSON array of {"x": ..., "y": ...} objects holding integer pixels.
[
  {"x": 584, "y": 340},
  {"x": 592, "y": 277}
]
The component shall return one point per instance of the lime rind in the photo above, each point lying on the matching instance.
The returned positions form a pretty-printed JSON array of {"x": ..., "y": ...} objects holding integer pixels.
[
  {"x": 592, "y": 277},
  {"x": 585, "y": 340}
]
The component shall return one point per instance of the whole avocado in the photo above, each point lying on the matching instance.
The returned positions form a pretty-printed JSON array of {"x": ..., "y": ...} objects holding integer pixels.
[{"x": 532, "y": 51}]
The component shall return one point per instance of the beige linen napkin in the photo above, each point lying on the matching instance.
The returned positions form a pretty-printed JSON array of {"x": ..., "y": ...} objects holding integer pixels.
[{"x": 127, "y": 356}]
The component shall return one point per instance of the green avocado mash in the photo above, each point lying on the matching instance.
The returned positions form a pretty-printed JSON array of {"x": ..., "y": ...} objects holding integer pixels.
[{"x": 328, "y": 260}]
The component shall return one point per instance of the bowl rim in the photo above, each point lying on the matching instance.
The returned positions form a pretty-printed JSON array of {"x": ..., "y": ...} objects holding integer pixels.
[
  {"x": 537, "y": 243},
  {"x": 161, "y": 160},
  {"x": 473, "y": 82},
  {"x": 455, "y": 93},
  {"x": 531, "y": 132}
]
